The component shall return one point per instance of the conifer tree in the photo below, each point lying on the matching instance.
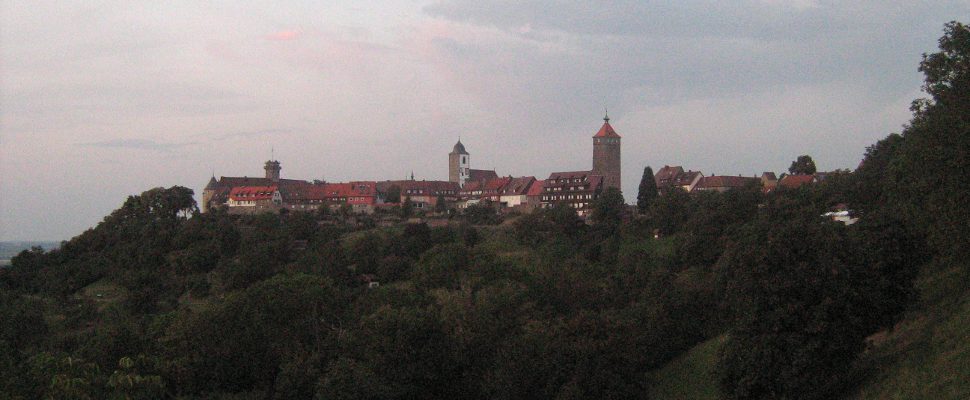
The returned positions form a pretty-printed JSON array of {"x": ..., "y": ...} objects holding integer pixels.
[{"x": 648, "y": 190}]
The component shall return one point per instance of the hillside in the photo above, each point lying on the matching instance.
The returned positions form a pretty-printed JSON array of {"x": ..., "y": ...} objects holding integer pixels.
[{"x": 926, "y": 356}]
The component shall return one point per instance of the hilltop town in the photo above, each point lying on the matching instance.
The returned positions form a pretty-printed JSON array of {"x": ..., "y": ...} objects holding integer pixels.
[{"x": 467, "y": 186}]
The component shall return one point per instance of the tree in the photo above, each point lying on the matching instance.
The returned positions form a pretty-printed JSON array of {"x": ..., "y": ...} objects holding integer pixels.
[
  {"x": 804, "y": 165},
  {"x": 407, "y": 208},
  {"x": 608, "y": 209},
  {"x": 648, "y": 191},
  {"x": 482, "y": 213},
  {"x": 439, "y": 204},
  {"x": 670, "y": 212},
  {"x": 805, "y": 294},
  {"x": 947, "y": 76},
  {"x": 393, "y": 194},
  {"x": 254, "y": 332},
  {"x": 931, "y": 163}
]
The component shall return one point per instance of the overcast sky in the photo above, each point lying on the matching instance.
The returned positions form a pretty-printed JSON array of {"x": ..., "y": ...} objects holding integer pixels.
[{"x": 102, "y": 99}]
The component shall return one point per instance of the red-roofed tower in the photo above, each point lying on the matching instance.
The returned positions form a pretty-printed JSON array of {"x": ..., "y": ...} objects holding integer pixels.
[{"x": 606, "y": 154}]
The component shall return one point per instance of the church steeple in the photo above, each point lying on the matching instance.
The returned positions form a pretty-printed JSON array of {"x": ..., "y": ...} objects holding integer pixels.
[{"x": 458, "y": 164}]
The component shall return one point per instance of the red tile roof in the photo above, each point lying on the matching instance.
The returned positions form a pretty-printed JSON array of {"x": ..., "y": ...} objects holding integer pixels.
[
  {"x": 569, "y": 179},
  {"x": 426, "y": 187},
  {"x": 535, "y": 189},
  {"x": 251, "y": 193},
  {"x": 496, "y": 184},
  {"x": 472, "y": 186},
  {"x": 794, "y": 181},
  {"x": 481, "y": 174},
  {"x": 519, "y": 186},
  {"x": 666, "y": 175},
  {"x": 569, "y": 175},
  {"x": 686, "y": 178},
  {"x": 606, "y": 131},
  {"x": 232, "y": 181}
]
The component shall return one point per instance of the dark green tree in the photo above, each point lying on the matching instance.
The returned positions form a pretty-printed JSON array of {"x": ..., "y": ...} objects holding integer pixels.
[
  {"x": 608, "y": 210},
  {"x": 932, "y": 161},
  {"x": 870, "y": 185},
  {"x": 804, "y": 165},
  {"x": 393, "y": 194},
  {"x": 482, "y": 213},
  {"x": 439, "y": 204},
  {"x": 407, "y": 208},
  {"x": 806, "y": 293},
  {"x": 648, "y": 191},
  {"x": 670, "y": 212},
  {"x": 255, "y": 333}
]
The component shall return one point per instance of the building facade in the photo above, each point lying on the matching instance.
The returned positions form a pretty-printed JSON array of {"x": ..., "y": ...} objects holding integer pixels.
[{"x": 576, "y": 189}]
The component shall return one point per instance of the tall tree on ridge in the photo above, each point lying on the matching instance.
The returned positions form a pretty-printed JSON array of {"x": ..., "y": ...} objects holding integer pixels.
[{"x": 648, "y": 190}]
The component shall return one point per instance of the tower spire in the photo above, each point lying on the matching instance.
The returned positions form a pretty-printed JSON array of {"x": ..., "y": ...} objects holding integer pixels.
[{"x": 606, "y": 112}]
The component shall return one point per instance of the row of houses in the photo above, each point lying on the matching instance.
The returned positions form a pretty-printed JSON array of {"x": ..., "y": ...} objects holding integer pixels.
[
  {"x": 246, "y": 195},
  {"x": 691, "y": 181}
]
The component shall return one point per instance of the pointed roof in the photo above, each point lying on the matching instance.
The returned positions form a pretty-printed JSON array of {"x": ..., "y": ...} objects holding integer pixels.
[
  {"x": 213, "y": 184},
  {"x": 459, "y": 148},
  {"x": 606, "y": 130}
]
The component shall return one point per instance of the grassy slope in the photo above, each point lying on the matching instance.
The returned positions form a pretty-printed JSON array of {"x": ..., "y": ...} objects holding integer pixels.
[
  {"x": 926, "y": 356},
  {"x": 689, "y": 376}
]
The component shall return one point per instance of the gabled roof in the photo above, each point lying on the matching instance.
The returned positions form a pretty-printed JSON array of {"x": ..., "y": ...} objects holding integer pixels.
[
  {"x": 519, "y": 186},
  {"x": 667, "y": 174},
  {"x": 686, "y": 178},
  {"x": 535, "y": 189}
]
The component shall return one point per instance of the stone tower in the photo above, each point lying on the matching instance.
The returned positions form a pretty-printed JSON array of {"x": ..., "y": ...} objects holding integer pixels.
[
  {"x": 606, "y": 154},
  {"x": 272, "y": 168},
  {"x": 458, "y": 164},
  {"x": 208, "y": 192}
]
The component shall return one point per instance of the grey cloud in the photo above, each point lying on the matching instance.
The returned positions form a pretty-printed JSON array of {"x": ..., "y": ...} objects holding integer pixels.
[
  {"x": 139, "y": 144},
  {"x": 693, "y": 50},
  {"x": 252, "y": 134}
]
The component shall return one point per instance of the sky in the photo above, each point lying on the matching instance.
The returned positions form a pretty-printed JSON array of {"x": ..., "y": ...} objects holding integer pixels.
[{"x": 104, "y": 99}]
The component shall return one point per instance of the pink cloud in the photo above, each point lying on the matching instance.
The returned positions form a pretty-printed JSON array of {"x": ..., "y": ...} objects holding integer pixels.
[{"x": 283, "y": 35}]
